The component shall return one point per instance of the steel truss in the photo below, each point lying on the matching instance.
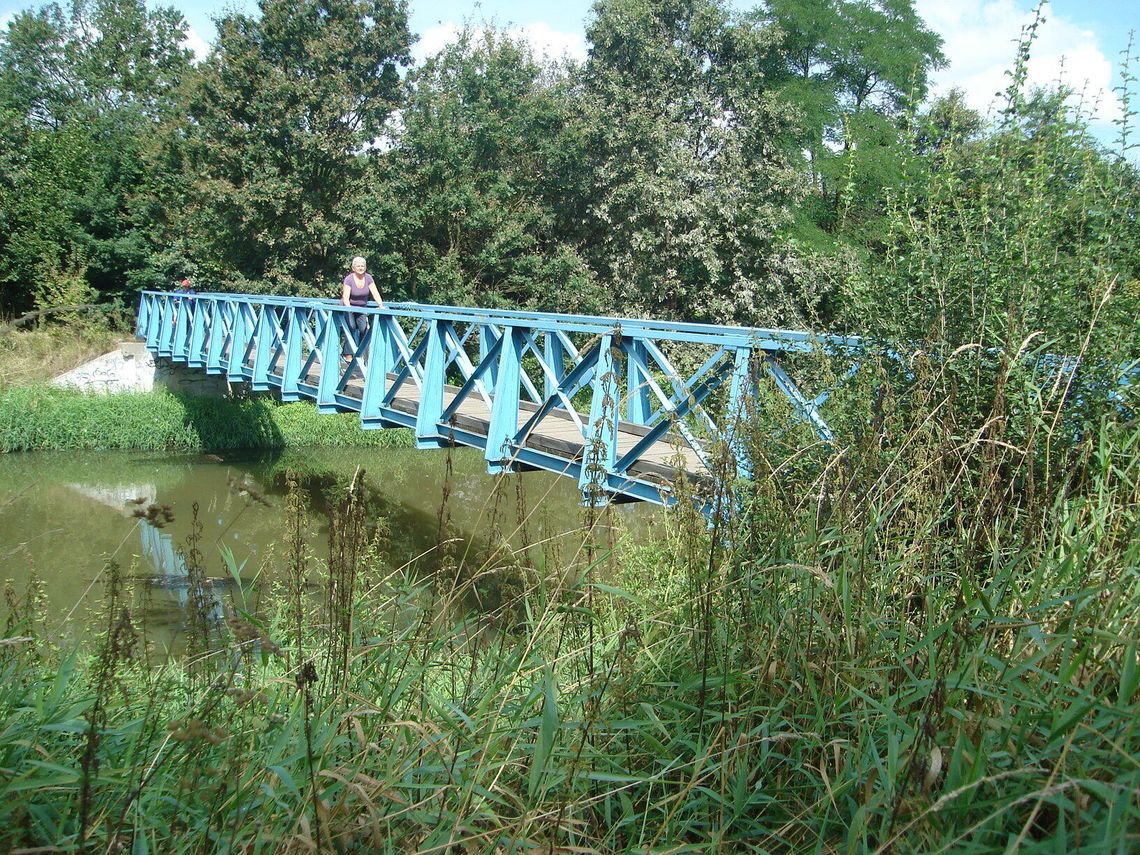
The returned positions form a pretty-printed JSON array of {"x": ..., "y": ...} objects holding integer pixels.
[{"x": 594, "y": 398}]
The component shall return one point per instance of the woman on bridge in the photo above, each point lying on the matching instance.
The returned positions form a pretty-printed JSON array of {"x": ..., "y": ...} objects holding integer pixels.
[{"x": 357, "y": 287}]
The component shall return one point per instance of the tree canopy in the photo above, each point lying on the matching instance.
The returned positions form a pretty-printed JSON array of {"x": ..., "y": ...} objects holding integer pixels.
[{"x": 779, "y": 167}]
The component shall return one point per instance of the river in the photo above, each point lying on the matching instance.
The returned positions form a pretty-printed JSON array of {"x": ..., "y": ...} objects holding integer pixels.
[{"x": 64, "y": 516}]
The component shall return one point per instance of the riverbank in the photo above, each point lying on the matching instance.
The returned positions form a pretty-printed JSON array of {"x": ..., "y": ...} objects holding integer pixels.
[
  {"x": 41, "y": 417},
  {"x": 36, "y": 355}
]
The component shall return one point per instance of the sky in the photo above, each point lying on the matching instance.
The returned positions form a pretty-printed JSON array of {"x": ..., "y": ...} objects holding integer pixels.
[{"x": 1080, "y": 43}]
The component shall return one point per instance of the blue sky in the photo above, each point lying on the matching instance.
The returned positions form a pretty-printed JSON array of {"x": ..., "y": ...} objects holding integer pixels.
[{"x": 1080, "y": 43}]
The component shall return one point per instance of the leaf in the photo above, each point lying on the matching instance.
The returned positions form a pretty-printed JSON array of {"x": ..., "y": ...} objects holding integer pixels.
[
  {"x": 547, "y": 734},
  {"x": 285, "y": 778}
]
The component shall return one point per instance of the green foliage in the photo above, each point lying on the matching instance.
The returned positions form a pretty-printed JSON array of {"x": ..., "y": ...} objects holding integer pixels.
[
  {"x": 851, "y": 70},
  {"x": 666, "y": 176},
  {"x": 1029, "y": 233},
  {"x": 692, "y": 199},
  {"x": 1016, "y": 238},
  {"x": 42, "y": 175},
  {"x": 491, "y": 155},
  {"x": 47, "y": 418},
  {"x": 81, "y": 95},
  {"x": 284, "y": 116}
]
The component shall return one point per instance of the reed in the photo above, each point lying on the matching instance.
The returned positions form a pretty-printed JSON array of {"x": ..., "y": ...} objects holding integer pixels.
[{"x": 923, "y": 642}]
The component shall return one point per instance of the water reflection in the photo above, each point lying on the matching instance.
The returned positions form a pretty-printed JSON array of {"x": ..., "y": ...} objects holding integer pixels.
[
  {"x": 62, "y": 517},
  {"x": 171, "y": 573}
]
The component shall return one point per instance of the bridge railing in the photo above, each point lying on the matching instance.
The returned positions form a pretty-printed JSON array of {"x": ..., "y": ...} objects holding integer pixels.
[{"x": 601, "y": 399}]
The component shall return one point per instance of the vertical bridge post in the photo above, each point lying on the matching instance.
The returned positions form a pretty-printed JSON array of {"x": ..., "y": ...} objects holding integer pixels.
[
  {"x": 431, "y": 390},
  {"x": 505, "y": 403}
]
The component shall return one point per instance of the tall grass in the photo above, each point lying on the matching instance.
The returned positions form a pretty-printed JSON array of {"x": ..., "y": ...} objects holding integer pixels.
[
  {"x": 36, "y": 355},
  {"x": 925, "y": 642}
]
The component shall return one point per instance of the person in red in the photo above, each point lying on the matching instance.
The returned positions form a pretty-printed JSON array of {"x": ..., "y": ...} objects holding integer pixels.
[
  {"x": 357, "y": 287},
  {"x": 183, "y": 291}
]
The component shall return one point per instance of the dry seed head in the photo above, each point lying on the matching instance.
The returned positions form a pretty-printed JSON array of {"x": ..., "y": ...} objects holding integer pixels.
[
  {"x": 191, "y": 729},
  {"x": 246, "y": 696}
]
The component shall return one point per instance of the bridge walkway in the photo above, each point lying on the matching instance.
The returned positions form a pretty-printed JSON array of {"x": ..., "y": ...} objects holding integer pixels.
[{"x": 559, "y": 435}]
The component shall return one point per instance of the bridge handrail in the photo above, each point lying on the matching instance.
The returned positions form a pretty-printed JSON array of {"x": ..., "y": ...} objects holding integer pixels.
[{"x": 731, "y": 336}]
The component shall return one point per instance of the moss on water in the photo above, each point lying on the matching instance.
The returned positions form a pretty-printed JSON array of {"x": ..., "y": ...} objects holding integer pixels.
[{"x": 47, "y": 418}]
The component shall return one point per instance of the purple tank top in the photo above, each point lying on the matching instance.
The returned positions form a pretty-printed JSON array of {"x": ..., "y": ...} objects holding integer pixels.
[{"x": 359, "y": 296}]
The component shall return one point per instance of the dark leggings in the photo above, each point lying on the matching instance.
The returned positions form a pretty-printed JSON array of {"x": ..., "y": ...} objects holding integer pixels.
[{"x": 357, "y": 324}]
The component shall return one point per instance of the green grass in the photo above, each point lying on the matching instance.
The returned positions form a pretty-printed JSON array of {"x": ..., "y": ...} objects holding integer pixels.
[
  {"x": 46, "y": 418},
  {"x": 927, "y": 645}
]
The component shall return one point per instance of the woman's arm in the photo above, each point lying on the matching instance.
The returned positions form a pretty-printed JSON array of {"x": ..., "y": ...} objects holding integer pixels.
[
  {"x": 344, "y": 295},
  {"x": 375, "y": 293}
]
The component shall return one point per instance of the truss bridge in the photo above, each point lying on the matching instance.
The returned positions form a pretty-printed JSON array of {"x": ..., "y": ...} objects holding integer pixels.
[{"x": 622, "y": 405}]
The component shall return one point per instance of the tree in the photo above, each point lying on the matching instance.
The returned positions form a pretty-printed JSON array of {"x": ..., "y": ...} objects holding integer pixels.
[
  {"x": 476, "y": 193},
  {"x": 841, "y": 57},
  {"x": 84, "y": 93},
  {"x": 690, "y": 192},
  {"x": 36, "y": 85},
  {"x": 1024, "y": 237},
  {"x": 286, "y": 115},
  {"x": 853, "y": 69}
]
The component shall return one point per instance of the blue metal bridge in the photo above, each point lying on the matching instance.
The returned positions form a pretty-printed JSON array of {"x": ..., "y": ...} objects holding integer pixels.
[{"x": 593, "y": 398}]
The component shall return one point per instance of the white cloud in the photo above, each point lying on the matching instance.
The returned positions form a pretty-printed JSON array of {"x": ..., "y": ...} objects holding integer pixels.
[
  {"x": 550, "y": 42},
  {"x": 434, "y": 39},
  {"x": 544, "y": 40},
  {"x": 981, "y": 39},
  {"x": 196, "y": 43}
]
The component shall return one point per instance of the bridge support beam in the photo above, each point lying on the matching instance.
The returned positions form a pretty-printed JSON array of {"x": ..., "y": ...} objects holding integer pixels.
[
  {"x": 636, "y": 384},
  {"x": 741, "y": 396},
  {"x": 381, "y": 360},
  {"x": 196, "y": 358},
  {"x": 505, "y": 405},
  {"x": 264, "y": 352},
  {"x": 329, "y": 381},
  {"x": 488, "y": 338},
  {"x": 431, "y": 389},
  {"x": 295, "y": 318},
  {"x": 238, "y": 340}
]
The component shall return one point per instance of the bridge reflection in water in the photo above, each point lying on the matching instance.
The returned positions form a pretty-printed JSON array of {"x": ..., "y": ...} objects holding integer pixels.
[
  {"x": 593, "y": 398},
  {"x": 172, "y": 574}
]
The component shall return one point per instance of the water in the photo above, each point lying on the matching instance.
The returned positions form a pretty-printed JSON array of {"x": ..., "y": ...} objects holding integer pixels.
[{"x": 64, "y": 516}]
